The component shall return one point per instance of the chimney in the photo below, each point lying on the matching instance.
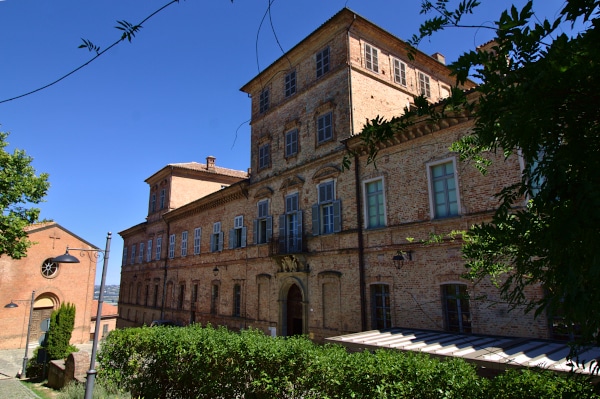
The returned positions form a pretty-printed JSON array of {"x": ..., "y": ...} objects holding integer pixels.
[
  {"x": 210, "y": 162},
  {"x": 439, "y": 57}
]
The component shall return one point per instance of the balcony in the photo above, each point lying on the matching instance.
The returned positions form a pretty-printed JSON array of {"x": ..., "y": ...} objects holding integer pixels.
[
  {"x": 289, "y": 253},
  {"x": 291, "y": 244}
]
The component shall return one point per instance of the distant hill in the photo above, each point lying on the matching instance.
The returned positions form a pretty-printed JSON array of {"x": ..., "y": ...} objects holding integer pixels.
[{"x": 111, "y": 293}]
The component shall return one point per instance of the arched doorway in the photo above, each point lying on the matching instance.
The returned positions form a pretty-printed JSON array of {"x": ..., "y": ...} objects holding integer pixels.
[
  {"x": 295, "y": 311},
  {"x": 42, "y": 310}
]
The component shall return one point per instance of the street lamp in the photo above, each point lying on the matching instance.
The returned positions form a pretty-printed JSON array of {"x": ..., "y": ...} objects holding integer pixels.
[
  {"x": 67, "y": 258},
  {"x": 12, "y": 305}
]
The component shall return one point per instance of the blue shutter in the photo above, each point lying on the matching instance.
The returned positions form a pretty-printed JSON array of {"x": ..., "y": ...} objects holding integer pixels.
[
  {"x": 232, "y": 243},
  {"x": 299, "y": 232},
  {"x": 269, "y": 228},
  {"x": 243, "y": 243},
  {"x": 255, "y": 231},
  {"x": 220, "y": 241},
  {"x": 282, "y": 245},
  {"x": 337, "y": 216},
  {"x": 316, "y": 223},
  {"x": 212, "y": 243}
]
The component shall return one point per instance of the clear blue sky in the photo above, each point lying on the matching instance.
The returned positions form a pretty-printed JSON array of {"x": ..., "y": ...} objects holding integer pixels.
[{"x": 172, "y": 95}]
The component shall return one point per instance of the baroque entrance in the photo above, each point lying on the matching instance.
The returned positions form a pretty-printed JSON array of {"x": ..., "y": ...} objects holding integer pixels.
[{"x": 295, "y": 313}]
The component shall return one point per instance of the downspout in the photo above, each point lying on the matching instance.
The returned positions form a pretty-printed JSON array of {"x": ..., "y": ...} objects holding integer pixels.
[
  {"x": 361, "y": 247},
  {"x": 360, "y": 237}
]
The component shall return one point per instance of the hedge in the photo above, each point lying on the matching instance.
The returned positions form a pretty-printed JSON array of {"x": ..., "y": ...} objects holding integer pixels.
[{"x": 207, "y": 362}]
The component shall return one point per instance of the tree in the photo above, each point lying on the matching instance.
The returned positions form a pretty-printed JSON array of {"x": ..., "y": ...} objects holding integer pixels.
[
  {"x": 19, "y": 187},
  {"x": 62, "y": 322},
  {"x": 538, "y": 98}
]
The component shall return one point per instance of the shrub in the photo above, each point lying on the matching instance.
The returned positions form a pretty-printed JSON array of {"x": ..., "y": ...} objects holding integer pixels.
[
  {"x": 62, "y": 322},
  {"x": 197, "y": 362},
  {"x": 535, "y": 383}
]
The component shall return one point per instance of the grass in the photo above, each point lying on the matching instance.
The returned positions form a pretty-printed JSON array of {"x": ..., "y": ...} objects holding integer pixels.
[
  {"x": 70, "y": 391},
  {"x": 40, "y": 388}
]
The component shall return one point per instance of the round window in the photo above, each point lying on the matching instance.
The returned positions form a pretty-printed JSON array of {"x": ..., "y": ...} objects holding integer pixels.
[{"x": 49, "y": 268}]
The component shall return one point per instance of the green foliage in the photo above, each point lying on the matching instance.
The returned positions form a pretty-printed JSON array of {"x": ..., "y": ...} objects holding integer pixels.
[
  {"x": 535, "y": 384},
  {"x": 128, "y": 29},
  {"x": 62, "y": 322},
  {"x": 539, "y": 92},
  {"x": 19, "y": 187},
  {"x": 36, "y": 369},
  {"x": 197, "y": 362},
  {"x": 538, "y": 99}
]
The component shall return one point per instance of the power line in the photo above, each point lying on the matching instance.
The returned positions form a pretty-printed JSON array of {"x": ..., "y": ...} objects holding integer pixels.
[{"x": 127, "y": 34}]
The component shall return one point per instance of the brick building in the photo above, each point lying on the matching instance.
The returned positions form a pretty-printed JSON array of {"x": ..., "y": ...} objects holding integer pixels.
[
  {"x": 299, "y": 246},
  {"x": 53, "y": 284}
]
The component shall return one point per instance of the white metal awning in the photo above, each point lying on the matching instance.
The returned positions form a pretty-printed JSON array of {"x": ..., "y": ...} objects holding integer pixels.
[{"x": 493, "y": 352}]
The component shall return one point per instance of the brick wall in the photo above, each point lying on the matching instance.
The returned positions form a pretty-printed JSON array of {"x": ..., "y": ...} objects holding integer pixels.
[{"x": 72, "y": 283}]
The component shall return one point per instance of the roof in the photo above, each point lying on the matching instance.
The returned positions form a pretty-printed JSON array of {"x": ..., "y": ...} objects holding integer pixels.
[
  {"x": 494, "y": 352},
  {"x": 108, "y": 310},
  {"x": 343, "y": 13},
  {"x": 32, "y": 228},
  {"x": 201, "y": 167},
  {"x": 216, "y": 169}
]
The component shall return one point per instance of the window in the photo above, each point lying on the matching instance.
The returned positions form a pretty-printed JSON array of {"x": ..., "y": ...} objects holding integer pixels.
[
  {"x": 264, "y": 156},
  {"x": 326, "y": 213},
  {"x": 290, "y": 226},
  {"x": 324, "y": 128},
  {"x": 382, "y": 310},
  {"x": 444, "y": 194},
  {"x": 291, "y": 143},
  {"x": 171, "y": 246},
  {"x": 155, "y": 295},
  {"x": 124, "y": 261},
  {"x": 141, "y": 255},
  {"x": 424, "y": 86},
  {"x": 149, "y": 251},
  {"x": 371, "y": 58},
  {"x": 180, "y": 297},
  {"x": 264, "y": 100},
  {"x": 237, "y": 235},
  {"x": 237, "y": 300},
  {"x": 163, "y": 194},
  {"x": 197, "y": 234},
  {"x": 214, "y": 299},
  {"x": 194, "y": 295},
  {"x": 104, "y": 330},
  {"x": 153, "y": 202},
  {"x": 374, "y": 204},
  {"x": 322, "y": 62},
  {"x": 263, "y": 225},
  {"x": 457, "y": 315},
  {"x": 146, "y": 295},
  {"x": 184, "y": 239},
  {"x": 536, "y": 178},
  {"x": 158, "y": 248},
  {"x": 399, "y": 72},
  {"x": 216, "y": 239},
  {"x": 49, "y": 268},
  {"x": 132, "y": 254},
  {"x": 290, "y": 83}
]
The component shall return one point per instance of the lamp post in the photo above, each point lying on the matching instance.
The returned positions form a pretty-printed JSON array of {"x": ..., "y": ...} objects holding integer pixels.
[
  {"x": 67, "y": 258},
  {"x": 26, "y": 357}
]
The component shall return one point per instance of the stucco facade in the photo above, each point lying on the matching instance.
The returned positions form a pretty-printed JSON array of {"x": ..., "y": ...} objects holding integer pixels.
[
  {"x": 53, "y": 284},
  {"x": 301, "y": 247}
]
